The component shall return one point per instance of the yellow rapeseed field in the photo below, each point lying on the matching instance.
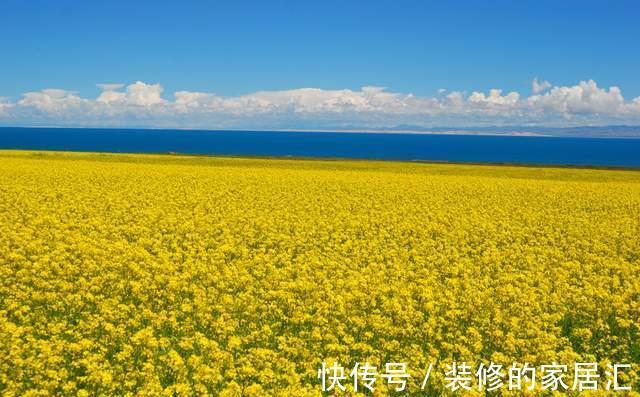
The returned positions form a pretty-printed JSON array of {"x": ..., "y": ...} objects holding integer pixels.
[{"x": 168, "y": 275}]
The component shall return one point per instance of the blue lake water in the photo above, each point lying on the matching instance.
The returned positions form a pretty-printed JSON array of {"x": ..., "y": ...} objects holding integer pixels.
[{"x": 388, "y": 146}]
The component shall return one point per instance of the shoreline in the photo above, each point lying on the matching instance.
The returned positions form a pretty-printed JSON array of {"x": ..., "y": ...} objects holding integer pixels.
[{"x": 331, "y": 159}]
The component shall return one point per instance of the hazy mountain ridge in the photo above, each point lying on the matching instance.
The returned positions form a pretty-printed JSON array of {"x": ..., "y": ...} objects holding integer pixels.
[{"x": 610, "y": 131}]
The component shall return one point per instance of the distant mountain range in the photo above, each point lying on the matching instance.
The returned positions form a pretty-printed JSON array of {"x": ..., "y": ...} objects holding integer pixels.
[{"x": 611, "y": 131}]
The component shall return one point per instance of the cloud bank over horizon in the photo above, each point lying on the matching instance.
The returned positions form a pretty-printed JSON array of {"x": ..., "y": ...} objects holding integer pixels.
[{"x": 142, "y": 104}]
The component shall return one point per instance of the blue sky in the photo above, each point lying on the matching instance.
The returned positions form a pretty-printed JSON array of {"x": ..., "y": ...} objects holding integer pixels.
[{"x": 235, "y": 49}]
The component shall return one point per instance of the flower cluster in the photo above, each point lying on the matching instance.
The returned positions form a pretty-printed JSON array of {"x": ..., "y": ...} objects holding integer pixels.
[{"x": 180, "y": 276}]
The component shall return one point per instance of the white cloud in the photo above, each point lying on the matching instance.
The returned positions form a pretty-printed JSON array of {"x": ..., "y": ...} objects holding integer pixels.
[
  {"x": 303, "y": 100},
  {"x": 584, "y": 98},
  {"x": 371, "y": 106},
  {"x": 141, "y": 94},
  {"x": 188, "y": 100},
  {"x": 52, "y": 100},
  {"x": 495, "y": 97},
  {"x": 110, "y": 93},
  {"x": 4, "y": 103},
  {"x": 4, "y": 107},
  {"x": 137, "y": 94},
  {"x": 455, "y": 99},
  {"x": 539, "y": 87}
]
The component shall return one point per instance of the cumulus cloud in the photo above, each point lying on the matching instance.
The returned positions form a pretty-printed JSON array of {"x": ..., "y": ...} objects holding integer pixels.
[
  {"x": 189, "y": 100},
  {"x": 143, "y": 104},
  {"x": 52, "y": 101},
  {"x": 110, "y": 93},
  {"x": 538, "y": 87},
  {"x": 495, "y": 97},
  {"x": 584, "y": 98},
  {"x": 141, "y": 94},
  {"x": 4, "y": 104},
  {"x": 136, "y": 94}
]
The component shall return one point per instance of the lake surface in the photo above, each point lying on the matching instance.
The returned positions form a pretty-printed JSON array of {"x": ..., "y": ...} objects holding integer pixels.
[{"x": 386, "y": 146}]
